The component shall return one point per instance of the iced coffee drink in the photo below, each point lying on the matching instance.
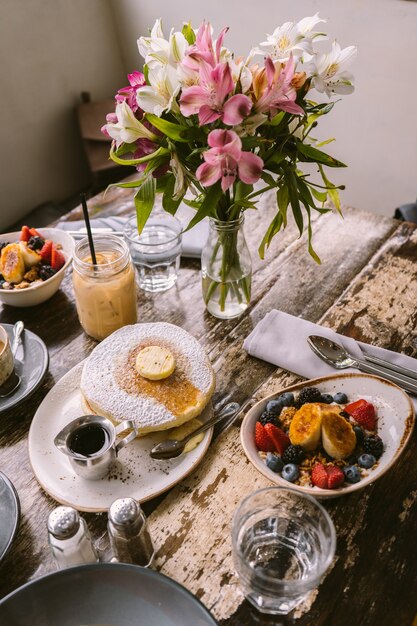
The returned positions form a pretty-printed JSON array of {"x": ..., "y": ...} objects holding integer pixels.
[{"x": 105, "y": 293}]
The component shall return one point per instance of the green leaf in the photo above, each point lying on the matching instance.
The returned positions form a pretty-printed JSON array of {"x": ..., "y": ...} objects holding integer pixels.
[
  {"x": 130, "y": 185},
  {"x": 270, "y": 180},
  {"x": 325, "y": 142},
  {"x": 171, "y": 130},
  {"x": 283, "y": 201},
  {"x": 144, "y": 201},
  {"x": 274, "y": 228},
  {"x": 208, "y": 206},
  {"x": 170, "y": 205},
  {"x": 242, "y": 190},
  {"x": 291, "y": 179},
  {"x": 276, "y": 158},
  {"x": 321, "y": 196},
  {"x": 125, "y": 148},
  {"x": 194, "y": 204},
  {"x": 161, "y": 183},
  {"x": 188, "y": 33},
  {"x": 311, "y": 154},
  {"x": 149, "y": 157},
  {"x": 331, "y": 190},
  {"x": 311, "y": 250},
  {"x": 277, "y": 119}
]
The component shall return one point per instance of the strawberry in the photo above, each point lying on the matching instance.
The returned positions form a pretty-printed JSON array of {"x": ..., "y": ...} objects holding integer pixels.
[
  {"x": 57, "y": 258},
  {"x": 262, "y": 439},
  {"x": 46, "y": 251},
  {"x": 335, "y": 476},
  {"x": 319, "y": 476},
  {"x": 363, "y": 413},
  {"x": 34, "y": 233},
  {"x": 25, "y": 233},
  {"x": 280, "y": 439}
]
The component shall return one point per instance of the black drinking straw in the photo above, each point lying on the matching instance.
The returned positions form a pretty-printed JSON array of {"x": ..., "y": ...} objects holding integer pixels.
[{"x": 87, "y": 224}]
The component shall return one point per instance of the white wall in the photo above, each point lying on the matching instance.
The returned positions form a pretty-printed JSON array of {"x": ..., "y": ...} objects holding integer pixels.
[
  {"x": 375, "y": 127},
  {"x": 50, "y": 51}
]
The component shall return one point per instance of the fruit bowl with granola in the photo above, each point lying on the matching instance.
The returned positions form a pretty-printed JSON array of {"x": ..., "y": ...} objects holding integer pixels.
[
  {"x": 329, "y": 436},
  {"x": 33, "y": 264}
]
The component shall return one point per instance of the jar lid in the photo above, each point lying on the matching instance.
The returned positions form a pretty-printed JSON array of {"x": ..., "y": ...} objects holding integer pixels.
[
  {"x": 125, "y": 512},
  {"x": 63, "y": 522}
]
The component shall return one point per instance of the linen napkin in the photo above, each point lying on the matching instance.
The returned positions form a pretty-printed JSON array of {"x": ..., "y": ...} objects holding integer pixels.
[
  {"x": 281, "y": 339},
  {"x": 193, "y": 240}
]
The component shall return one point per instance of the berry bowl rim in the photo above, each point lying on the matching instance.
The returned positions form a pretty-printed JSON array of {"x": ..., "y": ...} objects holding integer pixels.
[
  {"x": 31, "y": 295},
  {"x": 247, "y": 438}
]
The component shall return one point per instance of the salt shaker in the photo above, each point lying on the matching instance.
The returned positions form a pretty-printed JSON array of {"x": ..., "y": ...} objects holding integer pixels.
[
  {"x": 70, "y": 538},
  {"x": 128, "y": 532}
]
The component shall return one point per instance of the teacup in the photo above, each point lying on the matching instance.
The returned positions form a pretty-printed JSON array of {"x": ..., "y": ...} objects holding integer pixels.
[
  {"x": 6, "y": 356},
  {"x": 90, "y": 444}
]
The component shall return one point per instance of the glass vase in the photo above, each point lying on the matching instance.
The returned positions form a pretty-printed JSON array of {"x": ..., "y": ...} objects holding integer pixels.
[{"x": 226, "y": 269}]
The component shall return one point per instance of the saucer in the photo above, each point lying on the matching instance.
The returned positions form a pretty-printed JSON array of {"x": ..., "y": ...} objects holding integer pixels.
[
  {"x": 31, "y": 370},
  {"x": 9, "y": 514},
  {"x": 135, "y": 473}
]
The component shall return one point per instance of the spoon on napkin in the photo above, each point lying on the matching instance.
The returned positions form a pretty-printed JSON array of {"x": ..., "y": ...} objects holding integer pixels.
[{"x": 336, "y": 356}]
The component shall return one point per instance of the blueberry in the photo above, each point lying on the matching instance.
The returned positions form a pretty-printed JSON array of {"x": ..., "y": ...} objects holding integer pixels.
[
  {"x": 352, "y": 474},
  {"x": 274, "y": 462},
  {"x": 275, "y": 407},
  {"x": 359, "y": 434},
  {"x": 287, "y": 398},
  {"x": 327, "y": 398},
  {"x": 290, "y": 472},
  {"x": 366, "y": 461},
  {"x": 340, "y": 398}
]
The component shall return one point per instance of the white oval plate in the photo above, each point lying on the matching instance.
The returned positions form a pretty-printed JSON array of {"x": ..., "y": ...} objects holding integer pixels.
[
  {"x": 135, "y": 474},
  {"x": 395, "y": 423}
]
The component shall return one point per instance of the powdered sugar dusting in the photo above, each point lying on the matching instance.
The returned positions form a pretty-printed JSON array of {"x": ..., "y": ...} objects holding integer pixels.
[{"x": 100, "y": 382}]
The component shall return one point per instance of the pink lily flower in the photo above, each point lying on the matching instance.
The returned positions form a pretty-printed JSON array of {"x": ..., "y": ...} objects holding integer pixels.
[
  {"x": 128, "y": 94},
  {"x": 279, "y": 94},
  {"x": 208, "y": 98},
  {"x": 203, "y": 49},
  {"x": 225, "y": 160},
  {"x": 111, "y": 118}
]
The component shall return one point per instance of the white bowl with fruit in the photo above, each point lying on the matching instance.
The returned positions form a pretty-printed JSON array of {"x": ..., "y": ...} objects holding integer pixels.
[
  {"x": 33, "y": 263},
  {"x": 329, "y": 436}
]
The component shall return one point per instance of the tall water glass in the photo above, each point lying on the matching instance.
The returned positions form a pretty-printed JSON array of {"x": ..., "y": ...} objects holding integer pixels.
[
  {"x": 156, "y": 251},
  {"x": 283, "y": 542}
]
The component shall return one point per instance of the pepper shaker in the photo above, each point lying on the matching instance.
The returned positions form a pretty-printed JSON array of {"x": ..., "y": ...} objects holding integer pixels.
[
  {"x": 69, "y": 538},
  {"x": 128, "y": 532}
]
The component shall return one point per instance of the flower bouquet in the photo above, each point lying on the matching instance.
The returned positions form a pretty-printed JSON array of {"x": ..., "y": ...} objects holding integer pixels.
[{"x": 200, "y": 120}]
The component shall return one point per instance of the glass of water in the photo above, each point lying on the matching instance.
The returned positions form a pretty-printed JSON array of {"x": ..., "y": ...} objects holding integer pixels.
[
  {"x": 283, "y": 542},
  {"x": 156, "y": 251}
]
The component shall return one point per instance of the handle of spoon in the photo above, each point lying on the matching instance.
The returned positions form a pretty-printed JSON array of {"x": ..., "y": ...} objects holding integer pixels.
[
  {"x": 17, "y": 333},
  {"x": 405, "y": 371},
  {"x": 378, "y": 370},
  {"x": 229, "y": 410}
]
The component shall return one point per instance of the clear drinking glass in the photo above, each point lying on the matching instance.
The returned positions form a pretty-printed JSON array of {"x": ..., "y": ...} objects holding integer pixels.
[
  {"x": 283, "y": 542},
  {"x": 156, "y": 251}
]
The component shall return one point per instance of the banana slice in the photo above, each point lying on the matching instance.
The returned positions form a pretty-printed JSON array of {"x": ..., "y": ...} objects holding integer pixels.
[
  {"x": 338, "y": 436},
  {"x": 30, "y": 257},
  {"x": 12, "y": 265},
  {"x": 305, "y": 428},
  {"x": 155, "y": 363}
]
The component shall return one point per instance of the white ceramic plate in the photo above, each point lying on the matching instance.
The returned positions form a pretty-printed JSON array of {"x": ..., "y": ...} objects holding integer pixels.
[
  {"x": 395, "y": 423},
  {"x": 41, "y": 291},
  {"x": 135, "y": 474}
]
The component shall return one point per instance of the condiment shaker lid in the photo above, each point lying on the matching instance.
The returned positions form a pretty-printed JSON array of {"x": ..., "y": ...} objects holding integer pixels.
[
  {"x": 125, "y": 513},
  {"x": 63, "y": 522}
]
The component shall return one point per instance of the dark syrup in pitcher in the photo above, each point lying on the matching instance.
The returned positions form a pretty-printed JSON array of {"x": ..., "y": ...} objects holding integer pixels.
[{"x": 88, "y": 440}]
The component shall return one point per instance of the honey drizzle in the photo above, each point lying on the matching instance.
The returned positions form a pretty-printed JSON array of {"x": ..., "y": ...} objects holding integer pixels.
[{"x": 176, "y": 392}]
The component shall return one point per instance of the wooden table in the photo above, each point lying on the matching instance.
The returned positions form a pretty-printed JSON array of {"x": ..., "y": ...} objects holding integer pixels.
[{"x": 366, "y": 287}]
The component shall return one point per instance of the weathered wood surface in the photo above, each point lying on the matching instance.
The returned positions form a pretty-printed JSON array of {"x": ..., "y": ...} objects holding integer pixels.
[{"x": 366, "y": 287}]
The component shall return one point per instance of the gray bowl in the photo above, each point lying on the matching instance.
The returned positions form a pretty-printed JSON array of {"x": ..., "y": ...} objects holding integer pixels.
[{"x": 103, "y": 594}]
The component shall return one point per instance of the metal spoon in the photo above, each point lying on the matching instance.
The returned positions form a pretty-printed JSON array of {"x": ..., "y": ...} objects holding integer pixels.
[
  {"x": 13, "y": 382},
  {"x": 335, "y": 355},
  {"x": 171, "y": 448}
]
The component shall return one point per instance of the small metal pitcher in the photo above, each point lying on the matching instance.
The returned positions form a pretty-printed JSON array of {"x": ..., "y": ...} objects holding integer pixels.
[{"x": 97, "y": 464}]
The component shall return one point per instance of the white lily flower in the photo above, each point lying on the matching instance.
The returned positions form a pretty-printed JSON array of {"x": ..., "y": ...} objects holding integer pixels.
[
  {"x": 156, "y": 50},
  {"x": 328, "y": 70},
  {"x": 154, "y": 43},
  {"x": 250, "y": 124},
  {"x": 181, "y": 182},
  {"x": 127, "y": 129},
  {"x": 291, "y": 38},
  {"x": 160, "y": 95}
]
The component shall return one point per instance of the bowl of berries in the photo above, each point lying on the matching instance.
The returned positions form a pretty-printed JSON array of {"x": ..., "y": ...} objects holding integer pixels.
[
  {"x": 329, "y": 436},
  {"x": 33, "y": 264}
]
